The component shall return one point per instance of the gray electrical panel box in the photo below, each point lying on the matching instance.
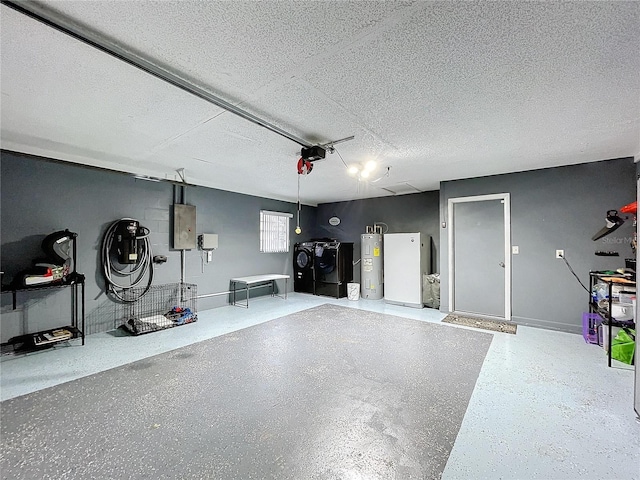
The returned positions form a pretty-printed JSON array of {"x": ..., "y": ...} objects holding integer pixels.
[{"x": 184, "y": 226}]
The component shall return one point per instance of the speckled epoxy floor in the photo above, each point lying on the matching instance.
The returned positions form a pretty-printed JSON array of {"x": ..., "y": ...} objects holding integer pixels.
[
  {"x": 545, "y": 405},
  {"x": 326, "y": 393}
]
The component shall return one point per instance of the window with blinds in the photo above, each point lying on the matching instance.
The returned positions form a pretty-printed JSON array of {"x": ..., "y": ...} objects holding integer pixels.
[{"x": 274, "y": 231}]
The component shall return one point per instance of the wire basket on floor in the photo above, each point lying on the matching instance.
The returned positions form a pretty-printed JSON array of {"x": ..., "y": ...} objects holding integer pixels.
[{"x": 163, "y": 306}]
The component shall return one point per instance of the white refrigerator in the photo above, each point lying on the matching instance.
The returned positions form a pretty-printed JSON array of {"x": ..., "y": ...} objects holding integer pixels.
[{"x": 406, "y": 260}]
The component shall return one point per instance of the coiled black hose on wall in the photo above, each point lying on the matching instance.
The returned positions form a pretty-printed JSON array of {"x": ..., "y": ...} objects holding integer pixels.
[{"x": 115, "y": 273}]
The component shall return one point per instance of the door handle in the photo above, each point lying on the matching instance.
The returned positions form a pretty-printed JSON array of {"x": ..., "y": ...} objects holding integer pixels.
[{"x": 501, "y": 264}]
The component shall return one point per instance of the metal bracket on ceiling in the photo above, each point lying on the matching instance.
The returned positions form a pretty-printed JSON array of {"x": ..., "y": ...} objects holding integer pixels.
[
  {"x": 330, "y": 146},
  {"x": 180, "y": 172},
  {"x": 385, "y": 174}
]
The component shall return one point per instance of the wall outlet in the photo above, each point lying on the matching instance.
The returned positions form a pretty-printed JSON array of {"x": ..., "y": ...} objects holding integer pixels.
[{"x": 559, "y": 253}]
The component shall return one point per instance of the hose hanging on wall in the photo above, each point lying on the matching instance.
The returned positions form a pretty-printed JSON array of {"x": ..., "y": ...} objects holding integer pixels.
[{"x": 126, "y": 254}]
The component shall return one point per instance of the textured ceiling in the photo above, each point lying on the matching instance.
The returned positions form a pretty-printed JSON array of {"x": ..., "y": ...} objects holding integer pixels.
[{"x": 435, "y": 90}]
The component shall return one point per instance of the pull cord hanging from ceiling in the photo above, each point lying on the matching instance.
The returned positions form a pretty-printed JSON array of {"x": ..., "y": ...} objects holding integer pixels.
[
  {"x": 304, "y": 167},
  {"x": 298, "y": 229}
]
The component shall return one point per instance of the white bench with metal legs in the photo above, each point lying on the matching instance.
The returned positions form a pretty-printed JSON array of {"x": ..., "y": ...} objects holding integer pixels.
[{"x": 246, "y": 283}]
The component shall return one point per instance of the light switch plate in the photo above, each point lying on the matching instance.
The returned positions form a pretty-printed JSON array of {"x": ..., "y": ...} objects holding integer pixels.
[{"x": 515, "y": 249}]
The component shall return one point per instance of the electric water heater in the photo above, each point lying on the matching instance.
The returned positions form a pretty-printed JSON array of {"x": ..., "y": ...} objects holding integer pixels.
[{"x": 371, "y": 266}]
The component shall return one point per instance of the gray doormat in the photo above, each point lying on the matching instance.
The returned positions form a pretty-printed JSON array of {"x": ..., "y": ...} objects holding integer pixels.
[
  {"x": 330, "y": 392},
  {"x": 484, "y": 323}
]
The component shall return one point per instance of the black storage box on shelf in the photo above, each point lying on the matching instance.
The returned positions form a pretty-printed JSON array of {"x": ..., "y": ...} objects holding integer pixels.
[{"x": 163, "y": 306}]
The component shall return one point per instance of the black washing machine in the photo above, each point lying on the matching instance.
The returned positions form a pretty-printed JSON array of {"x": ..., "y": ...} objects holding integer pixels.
[
  {"x": 333, "y": 266},
  {"x": 303, "y": 267}
]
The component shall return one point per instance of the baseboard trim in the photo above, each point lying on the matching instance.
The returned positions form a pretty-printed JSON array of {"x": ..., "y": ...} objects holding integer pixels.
[
  {"x": 548, "y": 325},
  {"x": 535, "y": 322},
  {"x": 403, "y": 304}
]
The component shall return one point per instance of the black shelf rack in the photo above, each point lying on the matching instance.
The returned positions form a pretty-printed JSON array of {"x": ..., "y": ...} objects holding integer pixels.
[
  {"x": 605, "y": 314},
  {"x": 35, "y": 341}
]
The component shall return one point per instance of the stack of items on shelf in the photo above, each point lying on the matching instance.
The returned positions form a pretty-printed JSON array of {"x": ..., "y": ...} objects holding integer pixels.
[
  {"x": 57, "y": 266},
  {"x": 52, "y": 336},
  {"x": 611, "y": 320}
]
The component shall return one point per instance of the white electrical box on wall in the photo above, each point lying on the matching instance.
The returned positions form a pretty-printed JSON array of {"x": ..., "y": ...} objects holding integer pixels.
[{"x": 208, "y": 241}]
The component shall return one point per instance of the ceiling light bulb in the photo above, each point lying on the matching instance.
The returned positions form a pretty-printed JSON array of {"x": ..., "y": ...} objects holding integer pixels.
[
  {"x": 370, "y": 166},
  {"x": 298, "y": 230},
  {"x": 353, "y": 170},
  {"x": 364, "y": 174}
]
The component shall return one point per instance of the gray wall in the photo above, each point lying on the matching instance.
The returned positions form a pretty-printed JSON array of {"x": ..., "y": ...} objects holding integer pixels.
[
  {"x": 39, "y": 197},
  {"x": 416, "y": 212},
  {"x": 551, "y": 208},
  {"x": 557, "y": 208}
]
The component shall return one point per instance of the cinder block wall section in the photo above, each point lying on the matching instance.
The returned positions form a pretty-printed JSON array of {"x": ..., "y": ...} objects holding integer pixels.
[{"x": 39, "y": 197}]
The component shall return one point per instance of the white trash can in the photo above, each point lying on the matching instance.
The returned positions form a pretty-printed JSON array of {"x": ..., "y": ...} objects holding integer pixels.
[{"x": 353, "y": 291}]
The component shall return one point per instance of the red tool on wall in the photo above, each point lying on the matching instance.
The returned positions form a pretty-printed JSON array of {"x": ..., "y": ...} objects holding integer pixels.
[{"x": 630, "y": 208}]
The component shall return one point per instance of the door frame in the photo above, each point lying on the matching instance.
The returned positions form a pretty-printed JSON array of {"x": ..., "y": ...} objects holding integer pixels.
[
  {"x": 505, "y": 197},
  {"x": 636, "y": 386}
]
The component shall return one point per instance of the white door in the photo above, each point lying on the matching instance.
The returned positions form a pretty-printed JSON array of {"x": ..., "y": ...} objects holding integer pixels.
[{"x": 480, "y": 255}]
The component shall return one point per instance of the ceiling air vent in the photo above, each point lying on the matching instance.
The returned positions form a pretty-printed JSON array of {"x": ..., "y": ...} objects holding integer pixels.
[{"x": 401, "y": 189}]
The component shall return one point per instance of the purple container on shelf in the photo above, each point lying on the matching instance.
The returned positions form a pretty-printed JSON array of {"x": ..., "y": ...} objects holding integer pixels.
[{"x": 590, "y": 324}]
